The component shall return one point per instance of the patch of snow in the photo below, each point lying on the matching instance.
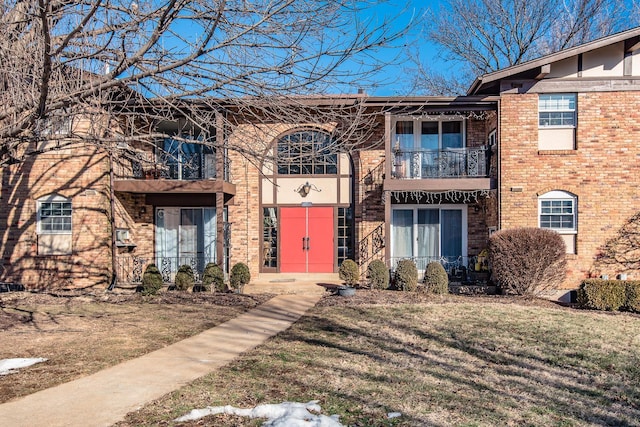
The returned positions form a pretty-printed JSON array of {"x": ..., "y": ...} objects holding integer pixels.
[
  {"x": 285, "y": 414},
  {"x": 394, "y": 414},
  {"x": 10, "y": 366}
]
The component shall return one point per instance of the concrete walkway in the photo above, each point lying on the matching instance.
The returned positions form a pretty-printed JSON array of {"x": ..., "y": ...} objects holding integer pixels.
[{"x": 105, "y": 397}]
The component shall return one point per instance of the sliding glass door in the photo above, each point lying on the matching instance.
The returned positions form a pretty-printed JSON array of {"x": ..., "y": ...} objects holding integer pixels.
[
  {"x": 429, "y": 234},
  {"x": 185, "y": 236}
]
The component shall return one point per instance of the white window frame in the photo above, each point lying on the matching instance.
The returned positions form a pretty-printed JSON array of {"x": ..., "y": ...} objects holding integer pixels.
[
  {"x": 57, "y": 202},
  {"x": 559, "y": 103},
  {"x": 417, "y": 130},
  {"x": 566, "y": 232}
]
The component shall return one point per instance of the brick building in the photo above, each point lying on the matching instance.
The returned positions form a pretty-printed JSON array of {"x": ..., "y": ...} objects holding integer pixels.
[{"x": 553, "y": 143}]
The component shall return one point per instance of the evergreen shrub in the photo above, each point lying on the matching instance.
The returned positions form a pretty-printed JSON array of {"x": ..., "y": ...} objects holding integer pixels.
[
  {"x": 151, "y": 280},
  {"x": 406, "y": 276},
  {"x": 378, "y": 274},
  {"x": 184, "y": 278},
  {"x": 349, "y": 272},
  {"x": 436, "y": 278},
  {"x": 213, "y": 277},
  {"x": 609, "y": 295},
  {"x": 240, "y": 276}
]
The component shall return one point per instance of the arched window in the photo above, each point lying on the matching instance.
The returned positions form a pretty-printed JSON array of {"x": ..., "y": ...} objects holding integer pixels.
[
  {"x": 307, "y": 152},
  {"x": 558, "y": 211}
]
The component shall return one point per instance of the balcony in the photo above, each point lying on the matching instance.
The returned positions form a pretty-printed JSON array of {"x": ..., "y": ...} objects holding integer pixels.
[
  {"x": 456, "y": 168},
  {"x": 143, "y": 172}
]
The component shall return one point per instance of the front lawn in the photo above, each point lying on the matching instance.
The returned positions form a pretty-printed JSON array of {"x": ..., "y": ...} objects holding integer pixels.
[{"x": 443, "y": 361}]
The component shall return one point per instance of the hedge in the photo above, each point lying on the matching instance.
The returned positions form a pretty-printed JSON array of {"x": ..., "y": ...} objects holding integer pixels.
[{"x": 609, "y": 295}]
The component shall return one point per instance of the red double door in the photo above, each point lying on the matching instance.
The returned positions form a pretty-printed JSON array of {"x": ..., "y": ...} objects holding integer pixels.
[{"x": 306, "y": 236}]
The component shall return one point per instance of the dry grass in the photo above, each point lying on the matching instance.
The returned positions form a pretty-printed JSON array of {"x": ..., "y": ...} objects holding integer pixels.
[
  {"x": 82, "y": 334},
  {"x": 440, "y": 362}
]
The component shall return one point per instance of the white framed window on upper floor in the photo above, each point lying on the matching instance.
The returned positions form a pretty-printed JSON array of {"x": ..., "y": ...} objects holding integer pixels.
[
  {"x": 54, "y": 225},
  {"x": 557, "y": 210},
  {"x": 557, "y": 121}
]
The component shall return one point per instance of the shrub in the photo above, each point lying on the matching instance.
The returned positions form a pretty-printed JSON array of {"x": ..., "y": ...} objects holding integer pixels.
[
  {"x": 406, "y": 276},
  {"x": 184, "y": 278},
  {"x": 240, "y": 276},
  {"x": 378, "y": 275},
  {"x": 151, "y": 280},
  {"x": 633, "y": 296},
  {"x": 600, "y": 294},
  {"x": 349, "y": 272},
  {"x": 213, "y": 276},
  {"x": 436, "y": 279},
  {"x": 527, "y": 261}
]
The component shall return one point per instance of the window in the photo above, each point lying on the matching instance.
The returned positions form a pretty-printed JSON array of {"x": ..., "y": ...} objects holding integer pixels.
[
  {"x": 557, "y": 110},
  {"x": 345, "y": 236},
  {"x": 307, "y": 152},
  {"x": 557, "y": 211},
  {"x": 54, "y": 215}
]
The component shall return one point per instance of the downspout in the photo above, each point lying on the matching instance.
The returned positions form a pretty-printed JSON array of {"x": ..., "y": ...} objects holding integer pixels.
[
  {"x": 114, "y": 264},
  {"x": 499, "y": 164}
]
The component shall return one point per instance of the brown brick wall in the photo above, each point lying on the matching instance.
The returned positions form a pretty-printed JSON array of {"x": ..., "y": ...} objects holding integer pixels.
[
  {"x": 83, "y": 177},
  {"x": 602, "y": 172}
]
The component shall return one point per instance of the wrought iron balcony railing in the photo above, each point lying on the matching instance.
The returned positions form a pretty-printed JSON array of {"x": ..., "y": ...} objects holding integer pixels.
[
  {"x": 192, "y": 166},
  {"x": 450, "y": 163}
]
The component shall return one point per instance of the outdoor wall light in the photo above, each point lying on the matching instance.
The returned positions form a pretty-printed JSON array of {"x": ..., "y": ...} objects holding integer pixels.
[{"x": 304, "y": 189}]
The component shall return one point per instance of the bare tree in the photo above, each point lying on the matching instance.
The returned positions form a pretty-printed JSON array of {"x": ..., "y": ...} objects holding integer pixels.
[
  {"x": 129, "y": 65},
  {"x": 481, "y": 36}
]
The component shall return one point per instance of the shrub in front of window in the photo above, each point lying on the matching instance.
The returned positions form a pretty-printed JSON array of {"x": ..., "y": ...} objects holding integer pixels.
[
  {"x": 600, "y": 294},
  {"x": 633, "y": 296},
  {"x": 378, "y": 275},
  {"x": 527, "y": 261},
  {"x": 213, "y": 277},
  {"x": 151, "y": 280},
  {"x": 436, "y": 279},
  {"x": 406, "y": 276},
  {"x": 184, "y": 278},
  {"x": 349, "y": 272},
  {"x": 240, "y": 276}
]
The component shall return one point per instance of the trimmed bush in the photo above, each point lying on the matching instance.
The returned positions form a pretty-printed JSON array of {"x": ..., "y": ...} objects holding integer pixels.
[
  {"x": 349, "y": 272},
  {"x": 527, "y": 261},
  {"x": 151, "y": 280},
  {"x": 184, "y": 278},
  {"x": 633, "y": 296},
  {"x": 436, "y": 278},
  {"x": 406, "y": 276},
  {"x": 213, "y": 276},
  {"x": 601, "y": 294},
  {"x": 378, "y": 274},
  {"x": 240, "y": 276}
]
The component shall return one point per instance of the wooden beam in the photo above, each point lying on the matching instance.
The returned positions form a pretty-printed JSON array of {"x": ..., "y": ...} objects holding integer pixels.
[{"x": 544, "y": 70}]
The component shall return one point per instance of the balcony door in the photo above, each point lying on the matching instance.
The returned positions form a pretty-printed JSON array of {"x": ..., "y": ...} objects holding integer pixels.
[
  {"x": 307, "y": 240},
  {"x": 428, "y": 234},
  {"x": 188, "y": 161},
  {"x": 429, "y": 148}
]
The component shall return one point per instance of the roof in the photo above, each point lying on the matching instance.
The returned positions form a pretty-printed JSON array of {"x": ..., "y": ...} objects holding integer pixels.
[{"x": 486, "y": 79}]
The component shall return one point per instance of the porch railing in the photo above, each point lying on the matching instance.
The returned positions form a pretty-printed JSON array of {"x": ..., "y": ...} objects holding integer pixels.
[
  {"x": 450, "y": 163},
  {"x": 452, "y": 265},
  {"x": 131, "y": 267}
]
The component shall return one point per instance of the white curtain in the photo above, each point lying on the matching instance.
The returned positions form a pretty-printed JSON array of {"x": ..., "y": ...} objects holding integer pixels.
[
  {"x": 428, "y": 234},
  {"x": 402, "y": 233},
  {"x": 210, "y": 234}
]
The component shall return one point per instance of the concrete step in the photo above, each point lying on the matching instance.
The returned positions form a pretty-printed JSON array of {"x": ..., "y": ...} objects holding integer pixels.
[{"x": 293, "y": 283}]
